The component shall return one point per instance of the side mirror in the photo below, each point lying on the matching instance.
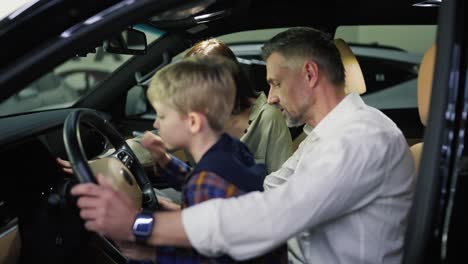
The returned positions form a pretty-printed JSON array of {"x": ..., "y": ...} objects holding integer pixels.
[{"x": 130, "y": 41}]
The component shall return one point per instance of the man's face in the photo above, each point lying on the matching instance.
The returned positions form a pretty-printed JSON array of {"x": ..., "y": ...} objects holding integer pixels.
[
  {"x": 287, "y": 87},
  {"x": 172, "y": 126}
]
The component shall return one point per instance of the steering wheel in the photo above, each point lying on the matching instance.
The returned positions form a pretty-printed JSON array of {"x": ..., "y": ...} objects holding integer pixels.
[{"x": 122, "y": 163}]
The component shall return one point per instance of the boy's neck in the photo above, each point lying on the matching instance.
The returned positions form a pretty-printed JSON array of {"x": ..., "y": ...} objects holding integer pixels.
[{"x": 202, "y": 142}]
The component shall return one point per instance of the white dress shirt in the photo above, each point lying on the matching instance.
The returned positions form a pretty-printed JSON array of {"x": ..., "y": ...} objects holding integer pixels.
[
  {"x": 347, "y": 196},
  {"x": 278, "y": 178}
]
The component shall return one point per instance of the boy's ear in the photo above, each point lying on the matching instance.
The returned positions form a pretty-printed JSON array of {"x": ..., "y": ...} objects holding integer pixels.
[{"x": 195, "y": 122}]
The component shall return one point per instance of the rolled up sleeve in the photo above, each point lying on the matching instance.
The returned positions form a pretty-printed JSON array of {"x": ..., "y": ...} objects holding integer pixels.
[{"x": 196, "y": 223}]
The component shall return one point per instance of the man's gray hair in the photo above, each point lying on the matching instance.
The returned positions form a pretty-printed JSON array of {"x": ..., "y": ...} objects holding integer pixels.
[{"x": 308, "y": 43}]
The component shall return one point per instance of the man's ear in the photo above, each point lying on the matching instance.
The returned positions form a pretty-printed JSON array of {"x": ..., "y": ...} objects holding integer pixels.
[
  {"x": 311, "y": 71},
  {"x": 195, "y": 122}
]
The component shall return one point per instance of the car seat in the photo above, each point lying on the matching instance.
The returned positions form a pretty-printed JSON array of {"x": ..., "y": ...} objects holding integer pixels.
[
  {"x": 425, "y": 76},
  {"x": 354, "y": 79}
]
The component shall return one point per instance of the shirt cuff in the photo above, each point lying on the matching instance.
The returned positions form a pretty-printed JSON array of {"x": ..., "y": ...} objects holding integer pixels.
[{"x": 200, "y": 226}]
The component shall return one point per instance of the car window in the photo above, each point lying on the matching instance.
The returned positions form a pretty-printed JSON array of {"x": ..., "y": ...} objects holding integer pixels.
[
  {"x": 68, "y": 82},
  {"x": 389, "y": 64},
  {"x": 246, "y": 45}
]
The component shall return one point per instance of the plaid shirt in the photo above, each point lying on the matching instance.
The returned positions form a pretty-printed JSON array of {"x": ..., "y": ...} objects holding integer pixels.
[
  {"x": 175, "y": 172},
  {"x": 198, "y": 188}
]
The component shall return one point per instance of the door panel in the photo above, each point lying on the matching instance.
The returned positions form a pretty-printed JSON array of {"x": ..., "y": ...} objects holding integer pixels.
[{"x": 10, "y": 242}]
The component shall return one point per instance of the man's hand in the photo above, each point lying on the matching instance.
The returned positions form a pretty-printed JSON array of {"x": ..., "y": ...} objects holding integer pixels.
[
  {"x": 136, "y": 252},
  {"x": 65, "y": 165},
  {"x": 155, "y": 146},
  {"x": 105, "y": 210}
]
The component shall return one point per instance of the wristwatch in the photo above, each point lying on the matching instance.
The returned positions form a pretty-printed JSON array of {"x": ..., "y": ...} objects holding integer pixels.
[{"x": 143, "y": 226}]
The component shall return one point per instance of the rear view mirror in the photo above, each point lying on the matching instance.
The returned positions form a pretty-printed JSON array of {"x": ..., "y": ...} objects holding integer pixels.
[{"x": 130, "y": 41}]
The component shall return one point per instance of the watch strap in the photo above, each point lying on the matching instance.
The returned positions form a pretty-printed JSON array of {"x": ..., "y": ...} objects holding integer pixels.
[{"x": 143, "y": 226}]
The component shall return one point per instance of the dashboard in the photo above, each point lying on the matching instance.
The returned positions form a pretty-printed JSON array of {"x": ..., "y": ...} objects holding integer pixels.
[{"x": 34, "y": 191}]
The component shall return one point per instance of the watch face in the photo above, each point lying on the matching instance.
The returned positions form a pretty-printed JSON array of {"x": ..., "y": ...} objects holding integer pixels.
[{"x": 143, "y": 225}]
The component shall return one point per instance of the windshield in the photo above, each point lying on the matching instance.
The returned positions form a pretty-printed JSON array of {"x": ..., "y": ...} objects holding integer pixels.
[{"x": 67, "y": 83}]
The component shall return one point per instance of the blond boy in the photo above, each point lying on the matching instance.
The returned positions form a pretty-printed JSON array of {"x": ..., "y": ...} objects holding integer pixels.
[{"x": 193, "y": 99}]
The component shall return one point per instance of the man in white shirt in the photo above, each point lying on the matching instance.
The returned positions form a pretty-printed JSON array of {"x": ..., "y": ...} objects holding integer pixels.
[{"x": 349, "y": 184}]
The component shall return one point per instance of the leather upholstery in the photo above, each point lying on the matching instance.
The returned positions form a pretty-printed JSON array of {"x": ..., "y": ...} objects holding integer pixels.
[
  {"x": 354, "y": 79},
  {"x": 425, "y": 77}
]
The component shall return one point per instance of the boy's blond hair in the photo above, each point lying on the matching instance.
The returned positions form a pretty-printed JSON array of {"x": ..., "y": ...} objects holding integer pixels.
[{"x": 203, "y": 84}]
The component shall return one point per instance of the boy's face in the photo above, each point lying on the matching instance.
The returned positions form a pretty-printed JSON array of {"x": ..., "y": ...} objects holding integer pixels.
[{"x": 172, "y": 126}]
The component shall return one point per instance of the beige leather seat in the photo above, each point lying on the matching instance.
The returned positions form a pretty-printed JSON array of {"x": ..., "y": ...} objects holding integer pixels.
[
  {"x": 425, "y": 76},
  {"x": 354, "y": 79}
]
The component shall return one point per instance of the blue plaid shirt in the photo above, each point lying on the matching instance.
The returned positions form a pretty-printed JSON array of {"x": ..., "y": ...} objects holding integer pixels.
[
  {"x": 232, "y": 158},
  {"x": 199, "y": 188}
]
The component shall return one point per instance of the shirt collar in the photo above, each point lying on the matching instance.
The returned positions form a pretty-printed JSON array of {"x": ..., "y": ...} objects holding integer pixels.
[
  {"x": 332, "y": 120},
  {"x": 307, "y": 129}
]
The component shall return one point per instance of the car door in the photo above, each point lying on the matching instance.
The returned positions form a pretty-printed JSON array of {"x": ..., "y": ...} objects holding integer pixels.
[
  {"x": 437, "y": 230},
  {"x": 10, "y": 241}
]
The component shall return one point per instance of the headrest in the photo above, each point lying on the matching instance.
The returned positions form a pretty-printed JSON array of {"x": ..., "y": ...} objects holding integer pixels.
[
  {"x": 425, "y": 76},
  {"x": 354, "y": 80}
]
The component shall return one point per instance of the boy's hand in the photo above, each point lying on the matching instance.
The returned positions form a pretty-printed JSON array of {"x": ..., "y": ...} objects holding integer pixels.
[
  {"x": 155, "y": 146},
  {"x": 105, "y": 210},
  {"x": 65, "y": 165},
  {"x": 167, "y": 204}
]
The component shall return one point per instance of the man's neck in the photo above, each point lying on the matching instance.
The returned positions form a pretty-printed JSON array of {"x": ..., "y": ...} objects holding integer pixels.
[
  {"x": 324, "y": 101},
  {"x": 202, "y": 142}
]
